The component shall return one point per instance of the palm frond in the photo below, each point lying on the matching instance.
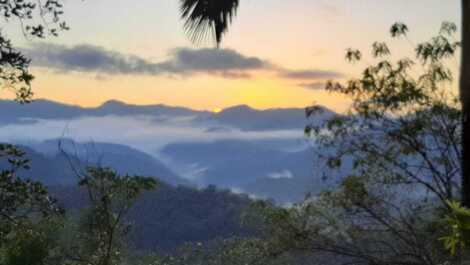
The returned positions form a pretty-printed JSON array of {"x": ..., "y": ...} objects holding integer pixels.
[{"x": 207, "y": 18}]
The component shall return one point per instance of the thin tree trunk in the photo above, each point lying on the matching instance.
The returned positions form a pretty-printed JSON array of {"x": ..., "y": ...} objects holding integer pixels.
[{"x": 465, "y": 99}]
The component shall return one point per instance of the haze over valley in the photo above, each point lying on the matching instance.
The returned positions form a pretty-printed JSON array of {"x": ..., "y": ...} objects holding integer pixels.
[{"x": 262, "y": 153}]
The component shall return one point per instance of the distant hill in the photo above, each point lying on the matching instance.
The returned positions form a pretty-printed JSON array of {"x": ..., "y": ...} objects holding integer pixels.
[
  {"x": 244, "y": 167},
  {"x": 52, "y": 167},
  {"x": 46, "y": 169},
  {"x": 170, "y": 216},
  {"x": 241, "y": 117},
  {"x": 250, "y": 167},
  {"x": 13, "y": 112},
  {"x": 247, "y": 118}
]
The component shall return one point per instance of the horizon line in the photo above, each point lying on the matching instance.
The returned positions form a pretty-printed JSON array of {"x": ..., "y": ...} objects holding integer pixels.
[{"x": 217, "y": 110}]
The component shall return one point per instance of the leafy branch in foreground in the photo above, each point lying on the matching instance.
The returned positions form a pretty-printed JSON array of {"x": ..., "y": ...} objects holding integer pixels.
[
  {"x": 20, "y": 199},
  {"x": 397, "y": 152},
  {"x": 26, "y": 212},
  {"x": 38, "y": 19},
  {"x": 458, "y": 220}
]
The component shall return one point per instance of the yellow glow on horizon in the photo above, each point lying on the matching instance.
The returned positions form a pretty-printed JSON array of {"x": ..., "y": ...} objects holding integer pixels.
[{"x": 200, "y": 92}]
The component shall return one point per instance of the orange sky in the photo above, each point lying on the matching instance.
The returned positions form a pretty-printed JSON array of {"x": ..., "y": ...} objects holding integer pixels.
[{"x": 294, "y": 35}]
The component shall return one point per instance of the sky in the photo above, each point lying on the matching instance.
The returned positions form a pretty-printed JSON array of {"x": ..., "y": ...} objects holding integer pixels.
[{"x": 277, "y": 53}]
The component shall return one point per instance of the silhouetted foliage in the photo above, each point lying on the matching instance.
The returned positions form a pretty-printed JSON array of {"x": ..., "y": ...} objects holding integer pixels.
[
  {"x": 20, "y": 199},
  {"x": 203, "y": 17},
  {"x": 399, "y": 151},
  {"x": 233, "y": 251},
  {"x": 23, "y": 203},
  {"x": 36, "y": 245},
  {"x": 25, "y": 209},
  {"x": 39, "y": 19}
]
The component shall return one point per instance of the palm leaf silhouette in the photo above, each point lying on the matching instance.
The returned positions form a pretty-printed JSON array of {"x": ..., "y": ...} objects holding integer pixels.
[{"x": 207, "y": 18}]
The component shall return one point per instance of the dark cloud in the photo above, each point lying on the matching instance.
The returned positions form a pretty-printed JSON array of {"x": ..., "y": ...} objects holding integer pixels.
[
  {"x": 206, "y": 60},
  {"x": 226, "y": 63},
  {"x": 309, "y": 74},
  {"x": 313, "y": 85},
  {"x": 88, "y": 58}
]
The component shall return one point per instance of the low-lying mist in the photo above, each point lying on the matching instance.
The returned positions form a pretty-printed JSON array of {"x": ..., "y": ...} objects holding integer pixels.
[{"x": 148, "y": 134}]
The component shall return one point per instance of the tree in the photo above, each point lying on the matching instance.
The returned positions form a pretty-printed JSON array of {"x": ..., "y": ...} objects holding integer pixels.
[
  {"x": 36, "y": 244},
  {"x": 398, "y": 151},
  {"x": 20, "y": 198},
  {"x": 25, "y": 205},
  {"x": 26, "y": 210},
  {"x": 233, "y": 251},
  {"x": 103, "y": 227},
  {"x": 39, "y": 19}
]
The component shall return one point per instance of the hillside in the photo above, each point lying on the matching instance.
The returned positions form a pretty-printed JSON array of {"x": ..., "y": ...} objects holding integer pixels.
[
  {"x": 52, "y": 167},
  {"x": 250, "y": 167},
  {"x": 170, "y": 216}
]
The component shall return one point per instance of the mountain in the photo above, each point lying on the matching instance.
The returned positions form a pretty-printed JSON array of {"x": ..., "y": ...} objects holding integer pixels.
[
  {"x": 12, "y": 112},
  {"x": 45, "y": 169},
  {"x": 246, "y": 118},
  {"x": 114, "y": 107},
  {"x": 53, "y": 167},
  {"x": 240, "y": 117},
  {"x": 166, "y": 218},
  {"x": 243, "y": 167},
  {"x": 232, "y": 162},
  {"x": 249, "y": 167},
  {"x": 253, "y": 168}
]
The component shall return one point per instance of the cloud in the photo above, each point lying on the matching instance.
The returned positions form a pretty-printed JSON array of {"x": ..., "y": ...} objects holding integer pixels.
[
  {"x": 182, "y": 61},
  {"x": 226, "y": 63},
  {"x": 207, "y": 60},
  {"x": 309, "y": 74},
  {"x": 87, "y": 58},
  {"x": 285, "y": 174},
  {"x": 237, "y": 190},
  {"x": 313, "y": 85},
  {"x": 140, "y": 132}
]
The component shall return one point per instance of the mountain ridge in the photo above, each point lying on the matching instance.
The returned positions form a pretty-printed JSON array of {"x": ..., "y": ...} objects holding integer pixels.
[
  {"x": 242, "y": 117},
  {"x": 52, "y": 164},
  {"x": 115, "y": 102}
]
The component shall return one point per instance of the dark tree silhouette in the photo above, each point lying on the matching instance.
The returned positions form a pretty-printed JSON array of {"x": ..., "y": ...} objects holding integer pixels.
[
  {"x": 38, "y": 19},
  {"x": 23, "y": 201},
  {"x": 203, "y": 17}
]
